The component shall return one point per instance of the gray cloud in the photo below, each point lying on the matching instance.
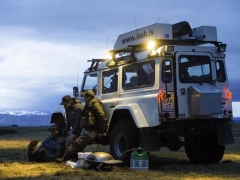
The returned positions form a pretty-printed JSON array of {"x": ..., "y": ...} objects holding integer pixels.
[{"x": 43, "y": 41}]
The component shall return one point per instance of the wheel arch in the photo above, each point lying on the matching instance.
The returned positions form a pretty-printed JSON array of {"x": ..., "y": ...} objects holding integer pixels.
[{"x": 131, "y": 111}]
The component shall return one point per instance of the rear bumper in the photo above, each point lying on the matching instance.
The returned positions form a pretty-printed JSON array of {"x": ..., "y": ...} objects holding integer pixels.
[{"x": 192, "y": 127}]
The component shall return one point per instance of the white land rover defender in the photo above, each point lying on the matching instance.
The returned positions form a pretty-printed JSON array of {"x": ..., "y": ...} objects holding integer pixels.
[{"x": 164, "y": 86}]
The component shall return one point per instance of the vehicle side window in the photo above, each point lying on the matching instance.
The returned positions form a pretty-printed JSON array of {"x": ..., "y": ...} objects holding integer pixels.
[
  {"x": 110, "y": 81},
  {"x": 138, "y": 75},
  {"x": 194, "y": 69},
  {"x": 146, "y": 74},
  {"x": 90, "y": 82},
  {"x": 220, "y": 71},
  {"x": 166, "y": 71}
]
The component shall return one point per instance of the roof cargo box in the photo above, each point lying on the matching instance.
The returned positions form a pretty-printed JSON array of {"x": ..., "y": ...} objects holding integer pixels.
[
  {"x": 155, "y": 31},
  {"x": 206, "y": 33}
]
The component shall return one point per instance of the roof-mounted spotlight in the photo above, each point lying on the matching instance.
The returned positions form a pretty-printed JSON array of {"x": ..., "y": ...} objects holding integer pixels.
[
  {"x": 108, "y": 56},
  {"x": 222, "y": 47},
  {"x": 151, "y": 45}
]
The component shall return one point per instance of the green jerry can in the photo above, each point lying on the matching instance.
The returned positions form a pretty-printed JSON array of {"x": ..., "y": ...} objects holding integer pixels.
[{"x": 139, "y": 159}]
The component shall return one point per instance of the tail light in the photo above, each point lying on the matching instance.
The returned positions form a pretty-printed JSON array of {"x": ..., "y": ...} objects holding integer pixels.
[
  {"x": 226, "y": 112},
  {"x": 166, "y": 115},
  {"x": 161, "y": 115},
  {"x": 229, "y": 94}
]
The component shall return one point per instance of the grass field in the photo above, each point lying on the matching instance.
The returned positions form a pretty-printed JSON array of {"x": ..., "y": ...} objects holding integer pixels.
[{"x": 162, "y": 165}]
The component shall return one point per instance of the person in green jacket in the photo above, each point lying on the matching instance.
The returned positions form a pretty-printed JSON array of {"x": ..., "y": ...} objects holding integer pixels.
[
  {"x": 93, "y": 123},
  {"x": 71, "y": 130}
]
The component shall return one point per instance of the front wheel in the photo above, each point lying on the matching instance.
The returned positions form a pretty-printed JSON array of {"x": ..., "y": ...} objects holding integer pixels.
[
  {"x": 123, "y": 139},
  {"x": 204, "y": 148}
]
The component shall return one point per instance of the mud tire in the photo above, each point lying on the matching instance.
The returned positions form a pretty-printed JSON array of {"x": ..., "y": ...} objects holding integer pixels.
[
  {"x": 123, "y": 139},
  {"x": 204, "y": 149}
]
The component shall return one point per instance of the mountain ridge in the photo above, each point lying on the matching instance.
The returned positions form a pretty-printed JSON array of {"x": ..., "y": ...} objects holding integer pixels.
[
  {"x": 35, "y": 118},
  {"x": 24, "y": 118},
  {"x": 24, "y": 112}
]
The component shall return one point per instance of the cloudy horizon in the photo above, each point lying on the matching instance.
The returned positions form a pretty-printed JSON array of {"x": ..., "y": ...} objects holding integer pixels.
[{"x": 44, "y": 44}]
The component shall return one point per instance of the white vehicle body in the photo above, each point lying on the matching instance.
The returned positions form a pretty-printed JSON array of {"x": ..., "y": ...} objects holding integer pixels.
[{"x": 178, "y": 88}]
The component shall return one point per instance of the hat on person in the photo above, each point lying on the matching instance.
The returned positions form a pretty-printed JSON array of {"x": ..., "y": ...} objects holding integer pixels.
[
  {"x": 53, "y": 128},
  {"x": 88, "y": 93},
  {"x": 66, "y": 99}
]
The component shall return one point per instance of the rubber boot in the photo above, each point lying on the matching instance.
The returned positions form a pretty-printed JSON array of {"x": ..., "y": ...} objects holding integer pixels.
[
  {"x": 31, "y": 150},
  {"x": 43, "y": 155}
]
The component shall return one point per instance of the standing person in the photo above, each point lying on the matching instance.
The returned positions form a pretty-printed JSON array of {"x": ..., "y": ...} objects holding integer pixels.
[
  {"x": 93, "y": 123},
  {"x": 73, "y": 109},
  {"x": 47, "y": 150}
]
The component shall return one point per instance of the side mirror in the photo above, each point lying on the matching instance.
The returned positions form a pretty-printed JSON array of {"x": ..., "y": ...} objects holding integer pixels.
[{"x": 75, "y": 92}]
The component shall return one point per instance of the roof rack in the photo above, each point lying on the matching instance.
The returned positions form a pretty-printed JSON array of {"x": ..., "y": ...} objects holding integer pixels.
[
  {"x": 95, "y": 62},
  {"x": 161, "y": 42}
]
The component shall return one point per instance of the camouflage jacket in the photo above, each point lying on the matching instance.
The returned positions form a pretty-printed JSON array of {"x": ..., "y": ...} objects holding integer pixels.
[{"x": 93, "y": 116}]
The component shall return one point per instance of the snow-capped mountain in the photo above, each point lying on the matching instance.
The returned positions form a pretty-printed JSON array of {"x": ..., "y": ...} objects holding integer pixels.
[
  {"x": 24, "y": 118},
  {"x": 24, "y": 112},
  {"x": 34, "y": 118}
]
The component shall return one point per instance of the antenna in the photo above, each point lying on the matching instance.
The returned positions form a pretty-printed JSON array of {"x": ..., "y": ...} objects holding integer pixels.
[
  {"x": 107, "y": 43},
  {"x": 157, "y": 19},
  {"x": 78, "y": 74},
  {"x": 135, "y": 21},
  {"x": 75, "y": 89}
]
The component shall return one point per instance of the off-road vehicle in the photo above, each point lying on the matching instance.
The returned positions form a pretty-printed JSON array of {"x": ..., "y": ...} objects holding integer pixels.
[{"x": 164, "y": 86}]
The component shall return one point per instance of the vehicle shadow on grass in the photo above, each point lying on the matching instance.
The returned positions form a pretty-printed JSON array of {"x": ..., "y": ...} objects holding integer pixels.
[
  {"x": 178, "y": 165},
  {"x": 16, "y": 155}
]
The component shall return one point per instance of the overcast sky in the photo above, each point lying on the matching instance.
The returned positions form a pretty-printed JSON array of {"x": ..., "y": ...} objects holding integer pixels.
[{"x": 43, "y": 43}]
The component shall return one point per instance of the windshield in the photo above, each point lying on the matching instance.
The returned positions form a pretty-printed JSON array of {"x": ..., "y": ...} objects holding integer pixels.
[{"x": 194, "y": 69}]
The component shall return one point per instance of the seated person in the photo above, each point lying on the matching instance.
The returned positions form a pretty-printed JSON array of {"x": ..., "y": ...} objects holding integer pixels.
[
  {"x": 134, "y": 81},
  {"x": 47, "y": 150},
  {"x": 114, "y": 84},
  {"x": 94, "y": 125},
  {"x": 184, "y": 73}
]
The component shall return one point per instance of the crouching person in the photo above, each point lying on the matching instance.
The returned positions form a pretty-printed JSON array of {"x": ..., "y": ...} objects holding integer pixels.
[
  {"x": 47, "y": 150},
  {"x": 93, "y": 122}
]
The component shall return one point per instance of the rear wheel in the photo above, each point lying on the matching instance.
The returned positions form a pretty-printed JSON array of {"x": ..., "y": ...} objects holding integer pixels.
[
  {"x": 204, "y": 148},
  {"x": 123, "y": 139}
]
